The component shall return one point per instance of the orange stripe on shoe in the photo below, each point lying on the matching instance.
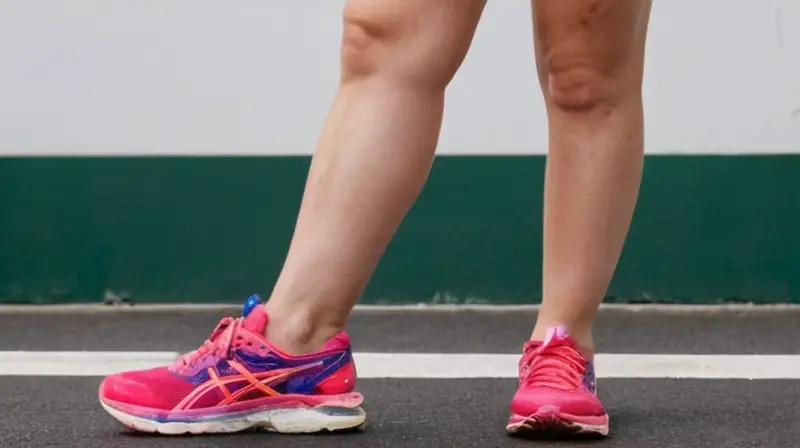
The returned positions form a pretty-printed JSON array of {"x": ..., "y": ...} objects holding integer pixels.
[
  {"x": 212, "y": 373},
  {"x": 260, "y": 381},
  {"x": 252, "y": 379},
  {"x": 247, "y": 389}
]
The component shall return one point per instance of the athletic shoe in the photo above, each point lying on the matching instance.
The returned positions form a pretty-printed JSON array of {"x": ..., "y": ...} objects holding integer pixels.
[
  {"x": 237, "y": 380},
  {"x": 557, "y": 390}
]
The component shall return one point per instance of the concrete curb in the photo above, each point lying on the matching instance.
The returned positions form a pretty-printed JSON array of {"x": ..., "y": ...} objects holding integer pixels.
[{"x": 234, "y": 308}]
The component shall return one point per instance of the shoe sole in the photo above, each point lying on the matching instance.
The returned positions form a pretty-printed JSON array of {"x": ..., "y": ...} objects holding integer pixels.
[
  {"x": 557, "y": 424},
  {"x": 299, "y": 420}
]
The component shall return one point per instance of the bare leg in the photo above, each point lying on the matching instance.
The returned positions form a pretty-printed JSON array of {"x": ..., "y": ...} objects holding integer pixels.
[
  {"x": 590, "y": 56},
  {"x": 372, "y": 160}
]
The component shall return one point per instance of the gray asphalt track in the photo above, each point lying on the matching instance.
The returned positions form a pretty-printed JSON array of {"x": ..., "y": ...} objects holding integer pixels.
[{"x": 63, "y": 411}]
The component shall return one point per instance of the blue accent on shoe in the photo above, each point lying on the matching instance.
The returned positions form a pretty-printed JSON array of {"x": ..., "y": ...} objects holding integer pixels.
[{"x": 251, "y": 303}]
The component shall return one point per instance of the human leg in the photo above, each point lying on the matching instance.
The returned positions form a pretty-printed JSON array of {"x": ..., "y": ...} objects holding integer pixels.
[
  {"x": 373, "y": 158},
  {"x": 374, "y": 154},
  {"x": 590, "y": 59},
  {"x": 590, "y": 56}
]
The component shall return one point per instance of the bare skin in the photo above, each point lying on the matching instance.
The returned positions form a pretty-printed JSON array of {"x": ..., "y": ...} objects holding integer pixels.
[
  {"x": 590, "y": 59},
  {"x": 373, "y": 157},
  {"x": 378, "y": 143}
]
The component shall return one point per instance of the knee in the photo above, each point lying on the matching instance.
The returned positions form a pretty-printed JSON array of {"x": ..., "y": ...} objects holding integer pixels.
[
  {"x": 584, "y": 84},
  {"x": 364, "y": 46},
  {"x": 393, "y": 50}
]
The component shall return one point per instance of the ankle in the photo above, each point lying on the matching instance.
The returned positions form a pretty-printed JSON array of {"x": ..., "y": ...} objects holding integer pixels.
[
  {"x": 581, "y": 334},
  {"x": 298, "y": 332}
]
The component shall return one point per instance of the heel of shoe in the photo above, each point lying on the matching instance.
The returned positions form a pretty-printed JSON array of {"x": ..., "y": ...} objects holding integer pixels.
[{"x": 342, "y": 381}]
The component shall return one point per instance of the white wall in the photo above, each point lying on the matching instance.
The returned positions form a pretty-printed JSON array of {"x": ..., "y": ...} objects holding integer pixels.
[{"x": 256, "y": 76}]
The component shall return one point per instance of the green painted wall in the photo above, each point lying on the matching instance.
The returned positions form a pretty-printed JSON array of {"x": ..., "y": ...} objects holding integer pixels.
[{"x": 170, "y": 229}]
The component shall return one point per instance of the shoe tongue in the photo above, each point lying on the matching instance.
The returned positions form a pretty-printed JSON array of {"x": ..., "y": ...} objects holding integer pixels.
[
  {"x": 254, "y": 314},
  {"x": 555, "y": 333}
]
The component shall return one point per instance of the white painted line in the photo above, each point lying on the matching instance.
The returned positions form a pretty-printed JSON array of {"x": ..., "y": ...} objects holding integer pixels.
[
  {"x": 760, "y": 367},
  {"x": 79, "y": 363},
  {"x": 431, "y": 365},
  {"x": 381, "y": 365}
]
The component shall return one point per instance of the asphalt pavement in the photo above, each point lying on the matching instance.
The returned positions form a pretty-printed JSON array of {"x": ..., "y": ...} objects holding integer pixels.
[{"x": 53, "y": 411}]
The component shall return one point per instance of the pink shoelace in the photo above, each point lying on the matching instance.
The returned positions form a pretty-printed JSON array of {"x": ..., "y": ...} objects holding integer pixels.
[
  {"x": 557, "y": 364},
  {"x": 218, "y": 343}
]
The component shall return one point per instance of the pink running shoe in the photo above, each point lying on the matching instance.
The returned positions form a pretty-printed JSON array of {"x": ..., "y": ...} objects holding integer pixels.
[
  {"x": 237, "y": 380},
  {"x": 557, "y": 390}
]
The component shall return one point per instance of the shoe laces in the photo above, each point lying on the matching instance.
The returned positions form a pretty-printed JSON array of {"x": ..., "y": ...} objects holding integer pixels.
[
  {"x": 556, "y": 364},
  {"x": 219, "y": 343}
]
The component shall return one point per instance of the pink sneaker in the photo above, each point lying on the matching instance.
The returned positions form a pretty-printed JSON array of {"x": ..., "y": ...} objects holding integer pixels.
[
  {"x": 557, "y": 390},
  {"x": 237, "y": 380}
]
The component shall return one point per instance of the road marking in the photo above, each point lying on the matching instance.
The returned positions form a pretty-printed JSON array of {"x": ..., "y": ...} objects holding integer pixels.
[
  {"x": 41, "y": 363},
  {"x": 430, "y": 365}
]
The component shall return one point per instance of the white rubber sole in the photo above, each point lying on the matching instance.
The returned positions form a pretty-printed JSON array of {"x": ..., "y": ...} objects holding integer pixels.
[{"x": 284, "y": 421}]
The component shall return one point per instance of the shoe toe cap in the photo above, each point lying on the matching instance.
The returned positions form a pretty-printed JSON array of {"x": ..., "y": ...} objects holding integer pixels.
[
  {"x": 579, "y": 402},
  {"x": 154, "y": 388},
  {"x": 124, "y": 388}
]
